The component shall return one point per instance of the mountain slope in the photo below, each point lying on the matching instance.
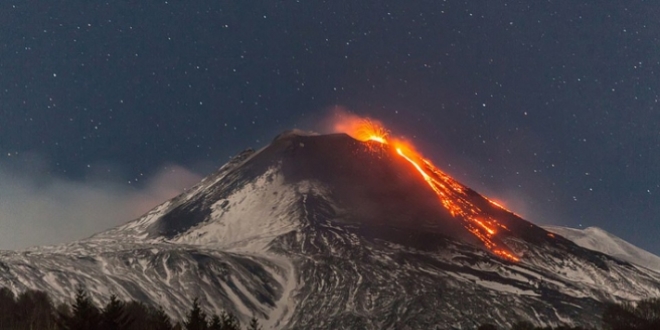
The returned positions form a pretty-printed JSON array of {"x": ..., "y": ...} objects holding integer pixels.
[
  {"x": 330, "y": 232},
  {"x": 597, "y": 239}
]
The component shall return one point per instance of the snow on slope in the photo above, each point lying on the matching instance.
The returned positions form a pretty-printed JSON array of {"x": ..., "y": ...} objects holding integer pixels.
[
  {"x": 250, "y": 218},
  {"x": 284, "y": 235},
  {"x": 597, "y": 239}
]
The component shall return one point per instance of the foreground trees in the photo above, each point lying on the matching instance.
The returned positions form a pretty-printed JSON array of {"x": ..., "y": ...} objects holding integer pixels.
[
  {"x": 529, "y": 326},
  {"x": 196, "y": 319},
  {"x": 34, "y": 310},
  {"x": 645, "y": 315},
  {"x": 29, "y": 310}
]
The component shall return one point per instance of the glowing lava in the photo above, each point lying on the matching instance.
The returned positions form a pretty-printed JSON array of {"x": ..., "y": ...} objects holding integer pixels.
[
  {"x": 452, "y": 194},
  {"x": 369, "y": 130}
]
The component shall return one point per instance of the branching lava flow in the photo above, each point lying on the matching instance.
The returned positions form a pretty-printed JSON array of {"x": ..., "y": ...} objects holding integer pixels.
[{"x": 452, "y": 194}]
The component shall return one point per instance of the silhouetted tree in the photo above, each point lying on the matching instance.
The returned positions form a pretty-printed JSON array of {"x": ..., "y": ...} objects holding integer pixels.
[
  {"x": 229, "y": 321},
  {"x": 62, "y": 313},
  {"x": 568, "y": 327},
  {"x": 648, "y": 310},
  {"x": 195, "y": 318},
  {"x": 645, "y": 315},
  {"x": 487, "y": 326},
  {"x": 215, "y": 323},
  {"x": 34, "y": 311},
  {"x": 7, "y": 308},
  {"x": 114, "y": 316},
  {"x": 158, "y": 320},
  {"x": 84, "y": 314},
  {"x": 523, "y": 325},
  {"x": 139, "y": 314},
  {"x": 254, "y": 325}
]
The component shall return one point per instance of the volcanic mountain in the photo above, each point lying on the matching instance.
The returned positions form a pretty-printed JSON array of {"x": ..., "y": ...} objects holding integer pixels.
[{"x": 330, "y": 232}]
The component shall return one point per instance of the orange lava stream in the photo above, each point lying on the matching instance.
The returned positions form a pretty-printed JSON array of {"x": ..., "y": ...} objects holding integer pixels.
[{"x": 452, "y": 194}]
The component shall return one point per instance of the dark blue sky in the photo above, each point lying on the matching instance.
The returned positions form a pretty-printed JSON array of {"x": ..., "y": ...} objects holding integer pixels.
[{"x": 550, "y": 107}]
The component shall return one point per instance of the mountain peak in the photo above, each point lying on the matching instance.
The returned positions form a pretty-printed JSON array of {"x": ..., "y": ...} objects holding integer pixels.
[
  {"x": 330, "y": 231},
  {"x": 363, "y": 183}
]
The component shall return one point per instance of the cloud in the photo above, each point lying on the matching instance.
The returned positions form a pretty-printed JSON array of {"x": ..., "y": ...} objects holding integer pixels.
[{"x": 39, "y": 209}]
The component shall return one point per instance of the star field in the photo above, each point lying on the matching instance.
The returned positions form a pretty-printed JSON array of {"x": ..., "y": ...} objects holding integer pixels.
[{"x": 549, "y": 107}]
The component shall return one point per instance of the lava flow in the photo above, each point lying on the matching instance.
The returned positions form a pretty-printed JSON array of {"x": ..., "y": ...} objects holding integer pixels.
[{"x": 452, "y": 194}]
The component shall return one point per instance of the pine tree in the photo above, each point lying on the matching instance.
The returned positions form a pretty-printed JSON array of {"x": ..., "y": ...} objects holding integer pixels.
[
  {"x": 139, "y": 313},
  {"x": 487, "y": 326},
  {"x": 7, "y": 308},
  {"x": 229, "y": 321},
  {"x": 34, "y": 310},
  {"x": 216, "y": 323},
  {"x": 62, "y": 313},
  {"x": 158, "y": 320},
  {"x": 114, "y": 316},
  {"x": 644, "y": 315},
  {"x": 254, "y": 324},
  {"x": 196, "y": 318},
  {"x": 84, "y": 315},
  {"x": 523, "y": 325}
]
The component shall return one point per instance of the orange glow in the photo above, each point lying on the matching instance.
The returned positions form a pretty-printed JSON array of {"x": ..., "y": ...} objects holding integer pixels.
[
  {"x": 376, "y": 138},
  {"x": 495, "y": 203},
  {"x": 506, "y": 254},
  {"x": 362, "y": 129},
  {"x": 453, "y": 195}
]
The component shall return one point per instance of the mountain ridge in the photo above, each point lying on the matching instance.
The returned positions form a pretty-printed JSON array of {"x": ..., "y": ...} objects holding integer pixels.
[
  {"x": 332, "y": 226},
  {"x": 598, "y": 239}
]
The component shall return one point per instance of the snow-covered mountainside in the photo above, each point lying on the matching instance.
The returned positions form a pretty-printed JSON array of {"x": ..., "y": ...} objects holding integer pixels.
[
  {"x": 327, "y": 232},
  {"x": 597, "y": 239}
]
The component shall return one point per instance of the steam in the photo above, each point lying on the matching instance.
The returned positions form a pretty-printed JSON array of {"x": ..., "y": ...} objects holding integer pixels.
[
  {"x": 37, "y": 208},
  {"x": 341, "y": 120}
]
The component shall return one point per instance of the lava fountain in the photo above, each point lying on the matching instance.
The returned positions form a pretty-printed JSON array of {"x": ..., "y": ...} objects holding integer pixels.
[{"x": 451, "y": 194}]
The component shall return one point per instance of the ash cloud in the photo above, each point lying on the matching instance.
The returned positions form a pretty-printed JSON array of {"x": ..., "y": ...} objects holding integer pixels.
[{"x": 38, "y": 208}]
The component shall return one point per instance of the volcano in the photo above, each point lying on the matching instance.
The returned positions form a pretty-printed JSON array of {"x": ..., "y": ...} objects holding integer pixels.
[{"x": 334, "y": 232}]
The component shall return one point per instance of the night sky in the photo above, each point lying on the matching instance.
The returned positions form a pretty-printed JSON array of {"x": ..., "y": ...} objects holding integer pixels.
[{"x": 550, "y": 107}]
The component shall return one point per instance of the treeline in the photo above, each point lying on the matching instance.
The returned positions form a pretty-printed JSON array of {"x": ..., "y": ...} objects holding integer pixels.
[
  {"x": 529, "y": 326},
  {"x": 642, "y": 315},
  {"x": 34, "y": 310}
]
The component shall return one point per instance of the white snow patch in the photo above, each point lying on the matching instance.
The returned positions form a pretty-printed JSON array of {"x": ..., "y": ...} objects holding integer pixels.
[
  {"x": 597, "y": 239},
  {"x": 250, "y": 218}
]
